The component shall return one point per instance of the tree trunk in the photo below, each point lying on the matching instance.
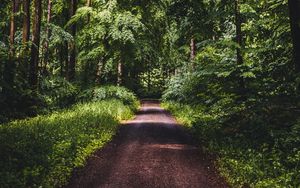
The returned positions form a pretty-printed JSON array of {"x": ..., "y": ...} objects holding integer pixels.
[
  {"x": 72, "y": 64},
  {"x": 25, "y": 38},
  {"x": 9, "y": 69},
  {"x": 294, "y": 8},
  {"x": 119, "y": 78},
  {"x": 46, "y": 59},
  {"x": 14, "y": 11},
  {"x": 239, "y": 41},
  {"x": 149, "y": 79},
  {"x": 100, "y": 66},
  {"x": 33, "y": 69},
  {"x": 26, "y": 21},
  {"x": 192, "y": 52},
  {"x": 12, "y": 28},
  {"x": 88, "y": 4}
]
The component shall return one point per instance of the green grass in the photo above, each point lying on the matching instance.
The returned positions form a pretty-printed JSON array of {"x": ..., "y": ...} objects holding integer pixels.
[
  {"x": 253, "y": 154},
  {"x": 43, "y": 151},
  {"x": 185, "y": 116}
]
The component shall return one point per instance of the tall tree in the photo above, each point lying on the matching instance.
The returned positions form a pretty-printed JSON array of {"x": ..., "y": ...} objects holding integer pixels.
[
  {"x": 120, "y": 69},
  {"x": 46, "y": 58},
  {"x": 26, "y": 21},
  {"x": 239, "y": 41},
  {"x": 25, "y": 37},
  {"x": 12, "y": 32},
  {"x": 33, "y": 69},
  {"x": 9, "y": 69},
  {"x": 119, "y": 76},
  {"x": 72, "y": 62},
  {"x": 294, "y": 8}
]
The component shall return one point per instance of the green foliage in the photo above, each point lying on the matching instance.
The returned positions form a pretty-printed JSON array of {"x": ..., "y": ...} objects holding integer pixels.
[
  {"x": 180, "y": 88},
  {"x": 245, "y": 111},
  {"x": 58, "y": 36},
  {"x": 125, "y": 27},
  {"x": 251, "y": 151},
  {"x": 43, "y": 151},
  {"x": 57, "y": 92},
  {"x": 186, "y": 115},
  {"x": 110, "y": 92},
  {"x": 152, "y": 84},
  {"x": 251, "y": 127}
]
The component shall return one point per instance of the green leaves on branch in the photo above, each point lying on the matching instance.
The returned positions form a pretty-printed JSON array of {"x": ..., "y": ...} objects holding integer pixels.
[
  {"x": 59, "y": 35},
  {"x": 125, "y": 28},
  {"x": 81, "y": 14}
]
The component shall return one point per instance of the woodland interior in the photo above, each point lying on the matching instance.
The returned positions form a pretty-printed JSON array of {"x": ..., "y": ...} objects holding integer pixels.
[{"x": 72, "y": 70}]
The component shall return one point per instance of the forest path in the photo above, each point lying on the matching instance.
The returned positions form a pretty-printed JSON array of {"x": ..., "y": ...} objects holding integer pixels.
[{"x": 150, "y": 151}]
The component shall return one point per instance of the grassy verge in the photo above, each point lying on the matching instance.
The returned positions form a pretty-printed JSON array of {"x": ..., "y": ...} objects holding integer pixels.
[
  {"x": 253, "y": 154},
  {"x": 184, "y": 114},
  {"x": 43, "y": 151}
]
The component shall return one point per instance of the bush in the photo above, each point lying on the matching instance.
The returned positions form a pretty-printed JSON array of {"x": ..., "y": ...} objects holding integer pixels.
[
  {"x": 251, "y": 151},
  {"x": 43, "y": 151},
  {"x": 110, "y": 92},
  {"x": 20, "y": 102},
  {"x": 181, "y": 88},
  {"x": 58, "y": 92},
  {"x": 186, "y": 115}
]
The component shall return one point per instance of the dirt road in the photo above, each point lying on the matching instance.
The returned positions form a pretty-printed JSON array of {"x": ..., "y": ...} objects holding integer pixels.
[{"x": 150, "y": 151}]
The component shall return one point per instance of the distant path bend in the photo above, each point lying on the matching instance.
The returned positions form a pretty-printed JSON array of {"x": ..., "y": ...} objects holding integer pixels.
[{"x": 150, "y": 151}]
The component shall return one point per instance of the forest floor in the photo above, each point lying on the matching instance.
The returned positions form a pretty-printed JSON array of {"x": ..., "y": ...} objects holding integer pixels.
[{"x": 150, "y": 151}]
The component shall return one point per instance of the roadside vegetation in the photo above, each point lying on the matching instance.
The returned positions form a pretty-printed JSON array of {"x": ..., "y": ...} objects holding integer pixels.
[
  {"x": 239, "y": 93},
  {"x": 254, "y": 147},
  {"x": 44, "y": 150},
  {"x": 228, "y": 69}
]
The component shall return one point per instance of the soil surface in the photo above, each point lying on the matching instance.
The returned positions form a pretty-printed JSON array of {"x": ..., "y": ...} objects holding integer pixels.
[{"x": 150, "y": 151}]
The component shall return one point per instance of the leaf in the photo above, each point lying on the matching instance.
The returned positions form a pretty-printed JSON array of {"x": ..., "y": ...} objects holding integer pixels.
[{"x": 248, "y": 75}]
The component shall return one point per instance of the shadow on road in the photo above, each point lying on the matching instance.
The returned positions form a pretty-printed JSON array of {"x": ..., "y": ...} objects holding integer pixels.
[{"x": 150, "y": 151}]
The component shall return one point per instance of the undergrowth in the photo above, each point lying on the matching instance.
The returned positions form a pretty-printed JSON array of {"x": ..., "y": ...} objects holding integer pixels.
[
  {"x": 110, "y": 92},
  {"x": 43, "y": 151},
  {"x": 254, "y": 148}
]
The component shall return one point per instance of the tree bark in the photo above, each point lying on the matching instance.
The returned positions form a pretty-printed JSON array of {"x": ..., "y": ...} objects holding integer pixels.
[
  {"x": 294, "y": 9},
  {"x": 88, "y": 4},
  {"x": 149, "y": 78},
  {"x": 33, "y": 69},
  {"x": 72, "y": 63},
  {"x": 25, "y": 38},
  {"x": 26, "y": 21},
  {"x": 100, "y": 66},
  {"x": 239, "y": 41},
  {"x": 192, "y": 52},
  {"x": 12, "y": 27},
  {"x": 46, "y": 58},
  {"x": 9, "y": 69},
  {"x": 119, "y": 78}
]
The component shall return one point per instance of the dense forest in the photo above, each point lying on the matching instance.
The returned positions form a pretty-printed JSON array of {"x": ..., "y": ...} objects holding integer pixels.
[{"x": 229, "y": 70}]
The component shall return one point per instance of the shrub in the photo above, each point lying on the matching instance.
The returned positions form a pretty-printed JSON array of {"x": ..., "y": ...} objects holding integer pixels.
[
  {"x": 110, "y": 92},
  {"x": 251, "y": 152},
  {"x": 58, "y": 92},
  {"x": 43, "y": 151},
  {"x": 185, "y": 116}
]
